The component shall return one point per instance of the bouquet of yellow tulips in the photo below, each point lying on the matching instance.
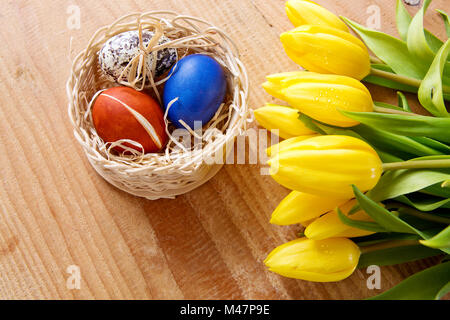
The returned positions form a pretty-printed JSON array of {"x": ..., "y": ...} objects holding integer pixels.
[{"x": 370, "y": 181}]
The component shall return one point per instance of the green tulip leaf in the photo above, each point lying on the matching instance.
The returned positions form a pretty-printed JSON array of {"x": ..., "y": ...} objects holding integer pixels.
[
  {"x": 429, "y": 284},
  {"x": 416, "y": 41},
  {"x": 387, "y": 105},
  {"x": 403, "y": 20},
  {"x": 403, "y": 102},
  {"x": 445, "y": 289},
  {"x": 337, "y": 131},
  {"x": 310, "y": 123},
  {"x": 392, "y": 51},
  {"x": 322, "y": 128},
  {"x": 439, "y": 241},
  {"x": 419, "y": 222},
  {"x": 437, "y": 190},
  {"x": 393, "y": 143},
  {"x": 396, "y": 183},
  {"x": 430, "y": 233},
  {"x": 382, "y": 67},
  {"x": 396, "y": 255},
  {"x": 439, "y": 157},
  {"x": 422, "y": 126},
  {"x": 425, "y": 204},
  {"x": 383, "y": 217},
  {"x": 387, "y": 157},
  {"x": 383, "y": 237},
  {"x": 325, "y": 129},
  {"x": 446, "y": 19},
  {"x": 431, "y": 89},
  {"x": 364, "y": 225},
  {"x": 422, "y": 44},
  {"x": 433, "y": 144}
]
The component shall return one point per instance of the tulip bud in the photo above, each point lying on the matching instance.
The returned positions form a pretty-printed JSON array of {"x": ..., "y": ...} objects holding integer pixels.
[
  {"x": 315, "y": 260},
  {"x": 323, "y": 101},
  {"x": 299, "y": 207},
  {"x": 279, "y": 81},
  {"x": 327, "y": 50},
  {"x": 302, "y": 12},
  {"x": 288, "y": 143},
  {"x": 327, "y": 166},
  {"x": 284, "y": 119},
  {"x": 330, "y": 226},
  {"x": 321, "y": 96}
]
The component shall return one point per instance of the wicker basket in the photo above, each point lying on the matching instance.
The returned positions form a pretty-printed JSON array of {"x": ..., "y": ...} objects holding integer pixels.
[{"x": 177, "y": 169}]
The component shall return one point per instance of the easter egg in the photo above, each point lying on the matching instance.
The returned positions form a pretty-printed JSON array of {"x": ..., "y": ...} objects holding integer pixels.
[
  {"x": 199, "y": 83},
  {"x": 122, "y": 48},
  {"x": 124, "y": 113}
]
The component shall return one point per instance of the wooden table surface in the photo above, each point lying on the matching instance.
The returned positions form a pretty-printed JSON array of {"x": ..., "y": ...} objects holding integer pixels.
[{"x": 57, "y": 212}]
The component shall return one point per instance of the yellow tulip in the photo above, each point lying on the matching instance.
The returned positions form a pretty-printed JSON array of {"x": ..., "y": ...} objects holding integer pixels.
[
  {"x": 279, "y": 81},
  {"x": 327, "y": 166},
  {"x": 284, "y": 119},
  {"x": 299, "y": 207},
  {"x": 315, "y": 260},
  {"x": 302, "y": 12},
  {"x": 321, "y": 96},
  {"x": 330, "y": 226},
  {"x": 288, "y": 143},
  {"x": 327, "y": 50}
]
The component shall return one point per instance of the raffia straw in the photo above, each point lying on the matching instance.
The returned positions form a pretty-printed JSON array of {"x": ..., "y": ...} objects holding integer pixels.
[{"x": 177, "y": 169}]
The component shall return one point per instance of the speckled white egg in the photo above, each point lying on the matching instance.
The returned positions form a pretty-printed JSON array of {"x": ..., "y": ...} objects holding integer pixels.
[{"x": 120, "y": 49}]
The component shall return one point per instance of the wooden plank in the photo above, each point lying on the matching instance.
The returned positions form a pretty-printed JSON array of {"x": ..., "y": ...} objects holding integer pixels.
[{"x": 56, "y": 211}]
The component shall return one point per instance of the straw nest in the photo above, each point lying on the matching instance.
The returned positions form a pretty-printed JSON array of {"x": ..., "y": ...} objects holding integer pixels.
[{"x": 180, "y": 167}]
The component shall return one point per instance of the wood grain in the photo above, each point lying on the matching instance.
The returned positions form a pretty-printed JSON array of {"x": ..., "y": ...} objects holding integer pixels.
[{"x": 56, "y": 211}]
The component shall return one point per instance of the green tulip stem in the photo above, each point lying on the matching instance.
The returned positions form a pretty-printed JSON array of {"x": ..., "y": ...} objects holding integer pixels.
[
  {"x": 392, "y": 111},
  {"x": 402, "y": 79},
  {"x": 375, "y": 60},
  {"x": 388, "y": 245},
  {"x": 419, "y": 164},
  {"x": 416, "y": 213}
]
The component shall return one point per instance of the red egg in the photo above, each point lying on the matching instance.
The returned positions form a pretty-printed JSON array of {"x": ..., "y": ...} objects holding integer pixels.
[{"x": 124, "y": 113}]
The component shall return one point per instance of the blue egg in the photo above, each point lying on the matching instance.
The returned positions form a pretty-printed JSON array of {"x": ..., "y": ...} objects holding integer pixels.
[{"x": 199, "y": 83}]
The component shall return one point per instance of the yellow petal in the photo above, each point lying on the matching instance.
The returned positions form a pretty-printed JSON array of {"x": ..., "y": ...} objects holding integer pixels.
[
  {"x": 330, "y": 226},
  {"x": 322, "y": 30},
  {"x": 299, "y": 207},
  {"x": 327, "y": 166},
  {"x": 327, "y": 50},
  {"x": 302, "y": 12},
  {"x": 282, "y": 118},
  {"x": 277, "y": 82},
  {"x": 321, "y": 96},
  {"x": 315, "y": 260},
  {"x": 278, "y": 77},
  {"x": 288, "y": 143},
  {"x": 287, "y": 79},
  {"x": 323, "y": 102},
  {"x": 273, "y": 89}
]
